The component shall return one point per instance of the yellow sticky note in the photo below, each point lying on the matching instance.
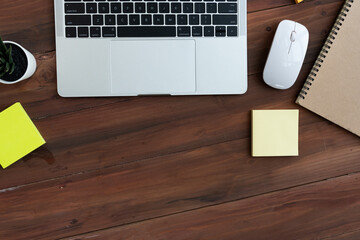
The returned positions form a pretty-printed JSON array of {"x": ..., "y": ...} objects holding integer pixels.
[
  {"x": 18, "y": 135},
  {"x": 275, "y": 133},
  {"x": 298, "y": 1}
]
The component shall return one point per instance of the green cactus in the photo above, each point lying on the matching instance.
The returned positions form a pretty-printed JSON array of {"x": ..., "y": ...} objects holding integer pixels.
[{"x": 7, "y": 65}]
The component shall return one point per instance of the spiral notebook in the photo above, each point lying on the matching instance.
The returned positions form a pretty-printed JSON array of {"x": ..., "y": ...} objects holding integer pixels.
[{"x": 332, "y": 89}]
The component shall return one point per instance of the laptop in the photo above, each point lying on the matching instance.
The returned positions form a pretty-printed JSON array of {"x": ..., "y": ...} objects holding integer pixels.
[{"x": 150, "y": 47}]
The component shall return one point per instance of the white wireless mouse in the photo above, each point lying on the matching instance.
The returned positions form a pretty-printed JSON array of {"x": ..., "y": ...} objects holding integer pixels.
[{"x": 286, "y": 55}]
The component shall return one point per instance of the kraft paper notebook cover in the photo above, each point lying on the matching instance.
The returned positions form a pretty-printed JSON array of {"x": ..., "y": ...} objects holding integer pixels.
[{"x": 332, "y": 89}]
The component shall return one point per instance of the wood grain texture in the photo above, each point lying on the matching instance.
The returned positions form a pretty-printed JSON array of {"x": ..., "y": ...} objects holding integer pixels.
[
  {"x": 30, "y": 23},
  {"x": 346, "y": 235},
  {"x": 171, "y": 183},
  {"x": 115, "y": 161},
  {"x": 326, "y": 210}
]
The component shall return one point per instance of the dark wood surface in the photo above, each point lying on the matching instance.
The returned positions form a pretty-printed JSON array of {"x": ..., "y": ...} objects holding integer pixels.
[{"x": 175, "y": 167}]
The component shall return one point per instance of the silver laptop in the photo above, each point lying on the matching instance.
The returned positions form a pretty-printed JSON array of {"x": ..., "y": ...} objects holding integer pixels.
[{"x": 151, "y": 47}]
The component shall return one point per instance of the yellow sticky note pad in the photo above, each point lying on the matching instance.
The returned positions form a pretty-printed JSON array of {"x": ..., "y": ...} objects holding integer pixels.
[
  {"x": 298, "y": 1},
  {"x": 18, "y": 135},
  {"x": 275, "y": 133}
]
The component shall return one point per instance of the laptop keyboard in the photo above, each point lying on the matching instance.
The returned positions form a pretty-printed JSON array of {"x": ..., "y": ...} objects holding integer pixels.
[{"x": 151, "y": 18}]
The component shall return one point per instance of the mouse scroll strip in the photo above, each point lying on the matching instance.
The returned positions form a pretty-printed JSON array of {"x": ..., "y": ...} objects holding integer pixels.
[{"x": 325, "y": 50}]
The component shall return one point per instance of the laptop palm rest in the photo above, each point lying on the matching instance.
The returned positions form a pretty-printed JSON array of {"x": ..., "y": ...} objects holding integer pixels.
[{"x": 152, "y": 66}]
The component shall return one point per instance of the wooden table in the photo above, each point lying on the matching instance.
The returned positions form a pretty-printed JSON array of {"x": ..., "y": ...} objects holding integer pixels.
[{"x": 175, "y": 167}]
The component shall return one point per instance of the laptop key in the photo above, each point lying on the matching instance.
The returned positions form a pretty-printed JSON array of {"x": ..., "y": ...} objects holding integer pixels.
[
  {"x": 115, "y": 7},
  {"x": 91, "y": 8},
  {"x": 170, "y": 19},
  {"x": 122, "y": 20},
  {"x": 183, "y": 31},
  {"x": 150, "y": 31},
  {"x": 164, "y": 8},
  {"x": 152, "y": 8},
  {"x": 205, "y": 19},
  {"x": 211, "y": 8},
  {"x": 182, "y": 19},
  {"x": 109, "y": 19},
  {"x": 227, "y": 7},
  {"x": 78, "y": 20},
  {"x": 109, "y": 32},
  {"x": 199, "y": 7},
  {"x": 232, "y": 31},
  {"x": 134, "y": 19},
  {"x": 225, "y": 19},
  {"x": 197, "y": 31},
  {"x": 139, "y": 7},
  {"x": 95, "y": 32},
  {"x": 158, "y": 19},
  {"x": 74, "y": 8},
  {"x": 188, "y": 8},
  {"x": 209, "y": 31},
  {"x": 98, "y": 20},
  {"x": 194, "y": 19},
  {"x": 220, "y": 31},
  {"x": 175, "y": 7},
  {"x": 104, "y": 8},
  {"x": 146, "y": 19},
  {"x": 83, "y": 32},
  {"x": 70, "y": 32},
  {"x": 128, "y": 8}
]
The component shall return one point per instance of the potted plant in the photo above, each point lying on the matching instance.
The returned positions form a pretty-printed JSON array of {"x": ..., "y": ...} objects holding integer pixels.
[{"x": 16, "y": 63}]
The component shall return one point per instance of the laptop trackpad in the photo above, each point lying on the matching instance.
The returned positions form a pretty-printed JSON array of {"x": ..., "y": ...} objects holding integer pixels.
[{"x": 153, "y": 66}]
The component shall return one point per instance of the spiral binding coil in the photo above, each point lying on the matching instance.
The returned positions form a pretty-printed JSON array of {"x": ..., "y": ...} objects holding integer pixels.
[{"x": 325, "y": 50}]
